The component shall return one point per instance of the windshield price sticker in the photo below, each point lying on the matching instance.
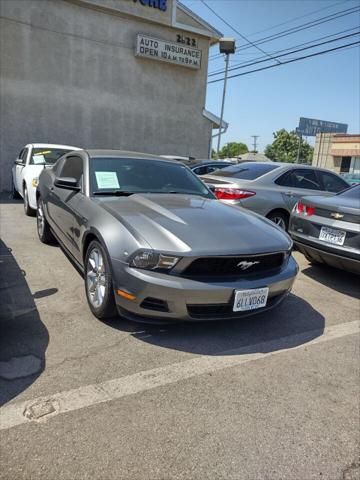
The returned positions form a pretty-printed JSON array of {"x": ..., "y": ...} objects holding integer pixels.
[
  {"x": 39, "y": 159},
  {"x": 166, "y": 51},
  {"x": 107, "y": 180}
]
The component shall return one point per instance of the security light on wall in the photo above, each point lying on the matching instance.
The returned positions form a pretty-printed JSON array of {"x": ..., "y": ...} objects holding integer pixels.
[{"x": 227, "y": 45}]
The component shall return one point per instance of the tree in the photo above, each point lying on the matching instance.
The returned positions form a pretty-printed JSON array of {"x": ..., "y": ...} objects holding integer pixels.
[
  {"x": 233, "y": 149},
  {"x": 285, "y": 148},
  {"x": 214, "y": 154}
]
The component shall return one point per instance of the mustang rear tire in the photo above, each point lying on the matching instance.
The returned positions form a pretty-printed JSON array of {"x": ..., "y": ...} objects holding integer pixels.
[
  {"x": 98, "y": 282},
  {"x": 43, "y": 228}
]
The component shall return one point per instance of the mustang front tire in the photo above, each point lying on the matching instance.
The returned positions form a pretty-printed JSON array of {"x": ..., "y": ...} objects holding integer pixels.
[{"x": 98, "y": 282}]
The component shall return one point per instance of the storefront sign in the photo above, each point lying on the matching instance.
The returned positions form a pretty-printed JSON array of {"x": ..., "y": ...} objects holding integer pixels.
[
  {"x": 168, "y": 52},
  {"x": 310, "y": 127},
  {"x": 160, "y": 4}
]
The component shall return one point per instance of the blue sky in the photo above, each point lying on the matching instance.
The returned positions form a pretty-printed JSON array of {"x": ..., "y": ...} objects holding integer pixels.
[{"x": 324, "y": 87}]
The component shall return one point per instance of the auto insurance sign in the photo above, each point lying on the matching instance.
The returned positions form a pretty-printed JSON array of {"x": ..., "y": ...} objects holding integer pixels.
[
  {"x": 310, "y": 127},
  {"x": 166, "y": 51}
]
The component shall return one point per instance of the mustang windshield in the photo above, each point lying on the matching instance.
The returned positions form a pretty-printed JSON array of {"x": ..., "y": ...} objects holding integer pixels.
[{"x": 135, "y": 175}]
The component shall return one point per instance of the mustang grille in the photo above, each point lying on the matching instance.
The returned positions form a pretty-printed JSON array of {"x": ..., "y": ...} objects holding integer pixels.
[{"x": 239, "y": 266}]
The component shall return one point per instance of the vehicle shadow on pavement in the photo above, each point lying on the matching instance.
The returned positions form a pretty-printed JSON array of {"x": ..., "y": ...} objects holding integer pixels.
[
  {"x": 295, "y": 322},
  {"x": 7, "y": 198},
  {"x": 23, "y": 336},
  {"x": 339, "y": 280}
]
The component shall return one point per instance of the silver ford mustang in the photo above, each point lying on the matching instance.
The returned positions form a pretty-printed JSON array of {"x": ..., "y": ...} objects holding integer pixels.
[{"x": 153, "y": 242}]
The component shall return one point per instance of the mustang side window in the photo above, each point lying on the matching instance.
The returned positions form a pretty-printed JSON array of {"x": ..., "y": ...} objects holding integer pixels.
[{"x": 72, "y": 167}]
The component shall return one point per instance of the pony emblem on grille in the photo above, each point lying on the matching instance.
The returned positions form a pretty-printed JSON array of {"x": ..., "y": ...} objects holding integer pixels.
[{"x": 244, "y": 265}]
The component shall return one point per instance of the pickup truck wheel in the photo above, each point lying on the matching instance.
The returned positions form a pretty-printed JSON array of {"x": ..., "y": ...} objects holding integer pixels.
[
  {"x": 28, "y": 210},
  {"x": 98, "y": 282},
  {"x": 43, "y": 228}
]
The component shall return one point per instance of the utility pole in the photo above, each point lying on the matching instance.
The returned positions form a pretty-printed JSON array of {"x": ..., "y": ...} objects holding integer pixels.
[
  {"x": 255, "y": 137},
  {"x": 227, "y": 46},
  {"x": 223, "y": 101},
  {"x": 299, "y": 147}
]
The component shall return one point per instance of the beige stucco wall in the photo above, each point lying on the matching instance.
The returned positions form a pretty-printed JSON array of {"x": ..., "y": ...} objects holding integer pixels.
[
  {"x": 69, "y": 76},
  {"x": 330, "y": 148}
]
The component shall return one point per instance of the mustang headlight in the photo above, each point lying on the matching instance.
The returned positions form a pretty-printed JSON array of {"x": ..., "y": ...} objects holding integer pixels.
[
  {"x": 150, "y": 260},
  {"x": 35, "y": 182}
]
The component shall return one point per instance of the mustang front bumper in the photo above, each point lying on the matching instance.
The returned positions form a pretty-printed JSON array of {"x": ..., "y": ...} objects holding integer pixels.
[{"x": 164, "y": 297}]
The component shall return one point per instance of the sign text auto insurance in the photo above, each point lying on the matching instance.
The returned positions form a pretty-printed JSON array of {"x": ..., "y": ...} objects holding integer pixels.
[{"x": 168, "y": 51}]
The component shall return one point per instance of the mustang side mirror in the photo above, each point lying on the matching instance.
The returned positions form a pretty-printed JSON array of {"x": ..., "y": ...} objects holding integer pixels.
[
  {"x": 69, "y": 183},
  {"x": 18, "y": 162}
]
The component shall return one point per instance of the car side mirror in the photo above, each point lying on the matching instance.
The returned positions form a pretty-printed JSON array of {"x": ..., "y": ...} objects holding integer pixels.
[
  {"x": 18, "y": 162},
  {"x": 68, "y": 183}
]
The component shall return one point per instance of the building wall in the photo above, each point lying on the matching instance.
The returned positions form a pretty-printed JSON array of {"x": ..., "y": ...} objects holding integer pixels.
[
  {"x": 332, "y": 151},
  {"x": 322, "y": 157},
  {"x": 69, "y": 76}
]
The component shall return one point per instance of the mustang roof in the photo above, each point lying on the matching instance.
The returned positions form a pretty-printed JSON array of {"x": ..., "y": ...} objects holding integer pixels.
[{"x": 93, "y": 153}]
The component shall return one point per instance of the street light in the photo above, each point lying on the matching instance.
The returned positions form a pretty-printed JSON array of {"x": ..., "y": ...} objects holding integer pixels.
[{"x": 227, "y": 46}]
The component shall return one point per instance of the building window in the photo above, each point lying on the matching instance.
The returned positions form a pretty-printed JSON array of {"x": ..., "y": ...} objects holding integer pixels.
[{"x": 345, "y": 164}]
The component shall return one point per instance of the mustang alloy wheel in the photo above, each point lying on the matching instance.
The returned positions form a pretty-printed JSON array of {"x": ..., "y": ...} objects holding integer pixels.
[
  {"x": 95, "y": 278},
  {"x": 98, "y": 282},
  {"x": 43, "y": 228}
]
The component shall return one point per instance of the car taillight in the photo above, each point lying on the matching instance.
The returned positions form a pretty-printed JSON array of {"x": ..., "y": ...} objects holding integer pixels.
[
  {"x": 232, "y": 193},
  {"x": 304, "y": 209}
]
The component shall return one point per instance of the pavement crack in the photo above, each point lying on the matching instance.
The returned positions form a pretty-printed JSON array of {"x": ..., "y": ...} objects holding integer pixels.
[
  {"x": 92, "y": 352},
  {"x": 352, "y": 472}
]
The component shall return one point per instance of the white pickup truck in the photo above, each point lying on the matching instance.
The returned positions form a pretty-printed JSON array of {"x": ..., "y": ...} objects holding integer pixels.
[{"x": 32, "y": 159}]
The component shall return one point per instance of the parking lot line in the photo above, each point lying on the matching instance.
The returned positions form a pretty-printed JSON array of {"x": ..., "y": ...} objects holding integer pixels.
[{"x": 43, "y": 408}]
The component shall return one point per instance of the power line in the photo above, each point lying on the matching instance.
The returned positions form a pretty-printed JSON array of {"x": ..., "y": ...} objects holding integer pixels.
[
  {"x": 305, "y": 26},
  {"x": 238, "y": 33},
  {"x": 291, "y": 20},
  {"x": 289, "y": 61},
  {"x": 288, "y": 53},
  {"x": 296, "y": 29},
  {"x": 220, "y": 70}
]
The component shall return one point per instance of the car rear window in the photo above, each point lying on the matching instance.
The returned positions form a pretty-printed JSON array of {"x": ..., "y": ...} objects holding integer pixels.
[
  {"x": 352, "y": 192},
  {"x": 246, "y": 171}
]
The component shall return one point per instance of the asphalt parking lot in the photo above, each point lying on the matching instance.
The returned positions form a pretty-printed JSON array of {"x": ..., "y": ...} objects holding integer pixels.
[{"x": 269, "y": 397}]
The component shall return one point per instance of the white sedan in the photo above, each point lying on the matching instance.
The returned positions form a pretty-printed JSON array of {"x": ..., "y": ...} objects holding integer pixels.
[{"x": 32, "y": 159}]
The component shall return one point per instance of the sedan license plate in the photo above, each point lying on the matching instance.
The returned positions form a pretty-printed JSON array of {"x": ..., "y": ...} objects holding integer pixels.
[
  {"x": 250, "y": 299},
  {"x": 330, "y": 235}
]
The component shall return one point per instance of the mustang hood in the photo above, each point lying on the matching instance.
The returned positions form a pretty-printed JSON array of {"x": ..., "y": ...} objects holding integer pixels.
[{"x": 187, "y": 224}]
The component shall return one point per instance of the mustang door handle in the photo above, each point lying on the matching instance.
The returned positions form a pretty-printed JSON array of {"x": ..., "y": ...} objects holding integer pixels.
[{"x": 289, "y": 194}]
